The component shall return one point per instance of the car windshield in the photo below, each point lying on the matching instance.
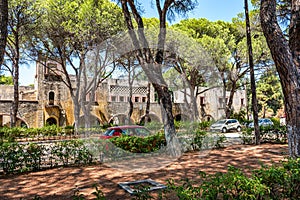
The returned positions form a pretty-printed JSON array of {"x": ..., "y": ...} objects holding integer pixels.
[
  {"x": 137, "y": 131},
  {"x": 107, "y": 132},
  {"x": 221, "y": 121}
]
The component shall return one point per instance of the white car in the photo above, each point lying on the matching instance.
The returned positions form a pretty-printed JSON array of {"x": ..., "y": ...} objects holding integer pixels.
[
  {"x": 262, "y": 122},
  {"x": 226, "y": 125}
]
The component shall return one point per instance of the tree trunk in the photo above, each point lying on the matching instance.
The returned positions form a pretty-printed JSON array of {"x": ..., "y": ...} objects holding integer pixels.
[
  {"x": 230, "y": 100},
  {"x": 224, "y": 94},
  {"x": 169, "y": 128},
  {"x": 15, "y": 103},
  {"x": 3, "y": 27},
  {"x": 148, "y": 104},
  {"x": 130, "y": 104},
  {"x": 252, "y": 77},
  {"x": 286, "y": 55},
  {"x": 152, "y": 67},
  {"x": 194, "y": 109},
  {"x": 77, "y": 103},
  {"x": 16, "y": 59}
]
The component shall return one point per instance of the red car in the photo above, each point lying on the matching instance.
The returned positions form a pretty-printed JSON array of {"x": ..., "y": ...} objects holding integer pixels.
[{"x": 128, "y": 130}]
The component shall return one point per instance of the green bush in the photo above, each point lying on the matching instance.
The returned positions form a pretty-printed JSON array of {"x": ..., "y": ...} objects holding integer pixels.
[
  {"x": 231, "y": 185},
  {"x": 240, "y": 116},
  {"x": 276, "y": 134},
  {"x": 70, "y": 152},
  {"x": 16, "y": 157},
  {"x": 204, "y": 125},
  {"x": 282, "y": 181},
  {"x": 136, "y": 144},
  {"x": 247, "y": 136},
  {"x": 21, "y": 157},
  {"x": 268, "y": 182},
  {"x": 12, "y": 134},
  {"x": 198, "y": 140}
]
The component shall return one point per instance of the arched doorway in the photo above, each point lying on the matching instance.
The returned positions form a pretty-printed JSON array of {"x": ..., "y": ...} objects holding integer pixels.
[
  {"x": 51, "y": 121},
  {"x": 93, "y": 120},
  {"x": 151, "y": 118},
  {"x": 182, "y": 118}
]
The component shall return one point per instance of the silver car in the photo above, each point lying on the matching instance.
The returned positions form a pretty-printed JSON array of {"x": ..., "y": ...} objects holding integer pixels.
[
  {"x": 226, "y": 125},
  {"x": 262, "y": 122}
]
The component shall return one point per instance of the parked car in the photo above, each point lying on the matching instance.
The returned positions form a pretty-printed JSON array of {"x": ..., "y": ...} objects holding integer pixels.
[
  {"x": 226, "y": 125},
  {"x": 263, "y": 122},
  {"x": 128, "y": 130}
]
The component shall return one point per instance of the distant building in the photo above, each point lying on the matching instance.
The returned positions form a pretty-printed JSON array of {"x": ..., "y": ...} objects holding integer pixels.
[{"x": 49, "y": 101}]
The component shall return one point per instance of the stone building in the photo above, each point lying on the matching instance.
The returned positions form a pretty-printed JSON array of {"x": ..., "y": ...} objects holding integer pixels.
[{"x": 49, "y": 101}]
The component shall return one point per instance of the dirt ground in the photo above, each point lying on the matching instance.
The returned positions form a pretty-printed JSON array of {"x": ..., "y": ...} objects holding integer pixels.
[{"x": 60, "y": 183}]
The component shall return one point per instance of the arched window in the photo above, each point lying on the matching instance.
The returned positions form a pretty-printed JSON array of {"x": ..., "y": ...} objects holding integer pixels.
[{"x": 51, "y": 98}]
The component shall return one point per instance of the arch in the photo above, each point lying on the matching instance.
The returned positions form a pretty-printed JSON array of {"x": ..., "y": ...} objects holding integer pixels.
[
  {"x": 94, "y": 121},
  {"x": 51, "y": 121},
  {"x": 207, "y": 118},
  {"x": 120, "y": 119},
  {"x": 181, "y": 117},
  {"x": 51, "y": 97},
  {"x": 152, "y": 118},
  {"x": 23, "y": 124},
  {"x": 5, "y": 121}
]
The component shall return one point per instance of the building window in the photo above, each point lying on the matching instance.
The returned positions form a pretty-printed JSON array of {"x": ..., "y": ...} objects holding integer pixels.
[
  {"x": 50, "y": 69},
  {"x": 242, "y": 102},
  {"x": 202, "y": 101},
  {"x": 156, "y": 97},
  {"x": 51, "y": 98},
  {"x": 136, "y": 99},
  {"x": 113, "y": 98},
  {"x": 121, "y": 98},
  {"x": 222, "y": 104},
  {"x": 144, "y": 99}
]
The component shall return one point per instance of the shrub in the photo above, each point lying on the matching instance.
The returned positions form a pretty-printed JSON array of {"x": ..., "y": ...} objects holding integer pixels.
[
  {"x": 16, "y": 157},
  {"x": 268, "y": 182},
  {"x": 231, "y": 185},
  {"x": 282, "y": 181},
  {"x": 136, "y": 144}
]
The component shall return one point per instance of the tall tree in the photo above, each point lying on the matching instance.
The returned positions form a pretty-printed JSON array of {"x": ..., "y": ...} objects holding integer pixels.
[
  {"x": 72, "y": 31},
  {"x": 21, "y": 22},
  {"x": 3, "y": 27},
  {"x": 252, "y": 75},
  {"x": 269, "y": 92},
  {"x": 195, "y": 67},
  {"x": 150, "y": 62},
  {"x": 286, "y": 55},
  {"x": 223, "y": 41},
  {"x": 129, "y": 64}
]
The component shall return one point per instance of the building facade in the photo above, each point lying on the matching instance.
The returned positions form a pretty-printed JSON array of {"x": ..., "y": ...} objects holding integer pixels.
[{"x": 49, "y": 101}]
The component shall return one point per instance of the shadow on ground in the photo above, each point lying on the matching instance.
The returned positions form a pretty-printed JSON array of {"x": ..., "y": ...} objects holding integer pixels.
[{"x": 60, "y": 183}]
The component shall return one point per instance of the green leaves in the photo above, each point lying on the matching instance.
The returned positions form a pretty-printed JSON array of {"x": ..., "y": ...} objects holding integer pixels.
[
  {"x": 16, "y": 158},
  {"x": 6, "y": 80},
  {"x": 135, "y": 144}
]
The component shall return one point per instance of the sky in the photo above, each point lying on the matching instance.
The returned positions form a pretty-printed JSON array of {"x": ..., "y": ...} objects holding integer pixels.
[{"x": 212, "y": 10}]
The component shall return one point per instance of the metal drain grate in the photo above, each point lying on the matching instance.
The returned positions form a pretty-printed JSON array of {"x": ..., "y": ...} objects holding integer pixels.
[{"x": 134, "y": 187}]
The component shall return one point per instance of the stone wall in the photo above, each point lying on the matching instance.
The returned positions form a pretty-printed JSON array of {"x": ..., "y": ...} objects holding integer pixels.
[{"x": 29, "y": 112}]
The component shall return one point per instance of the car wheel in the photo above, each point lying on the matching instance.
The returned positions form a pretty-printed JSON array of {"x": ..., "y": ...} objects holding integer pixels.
[
  {"x": 224, "y": 130},
  {"x": 239, "y": 129}
]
